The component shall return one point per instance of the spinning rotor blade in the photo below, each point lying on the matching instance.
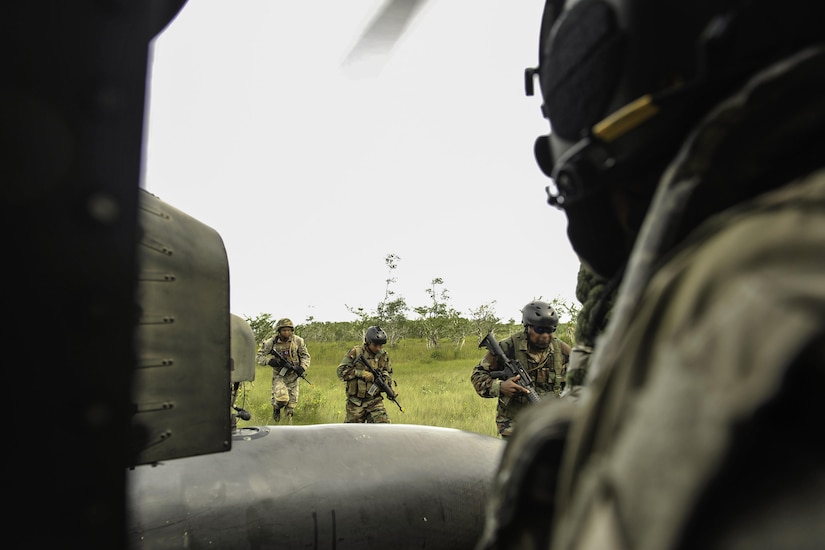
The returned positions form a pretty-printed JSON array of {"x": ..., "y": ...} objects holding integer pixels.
[{"x": 383, "y": 31}]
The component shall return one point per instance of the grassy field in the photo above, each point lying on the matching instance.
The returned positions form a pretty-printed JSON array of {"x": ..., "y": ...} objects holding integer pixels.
[{"x": 433, "y": 388}]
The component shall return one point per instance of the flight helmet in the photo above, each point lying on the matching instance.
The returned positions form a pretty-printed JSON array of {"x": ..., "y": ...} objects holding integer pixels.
[
  {"x": 375, "y": 335},
  {"x": 623, "y": 82}
]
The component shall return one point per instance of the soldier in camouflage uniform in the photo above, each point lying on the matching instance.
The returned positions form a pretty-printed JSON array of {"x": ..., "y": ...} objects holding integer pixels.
[
  {"x": 290, "y": 346},
  {"x": 688, "y": 150},
  {"x": 365, "y": 403},
  {"x": 543, "y": 356}
]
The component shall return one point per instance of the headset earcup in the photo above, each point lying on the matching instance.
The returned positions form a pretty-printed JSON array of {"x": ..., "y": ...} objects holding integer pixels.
[{"x": 580, "y": 67}]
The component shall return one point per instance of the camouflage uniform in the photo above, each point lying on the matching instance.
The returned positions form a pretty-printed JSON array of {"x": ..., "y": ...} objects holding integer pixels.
[
  {"x": 361, "y": 406},
  {"x": 285, "y": 388},
  {"x": 546, "y": 368},
  {"x": 702, "y": 424}
]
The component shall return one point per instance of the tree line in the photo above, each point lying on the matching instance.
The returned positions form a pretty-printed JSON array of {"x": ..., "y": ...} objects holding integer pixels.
[{"x": 437, "y": 322}]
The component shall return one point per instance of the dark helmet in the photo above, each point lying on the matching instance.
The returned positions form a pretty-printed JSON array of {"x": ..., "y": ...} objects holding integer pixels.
[
  {"x": 539, "y": 314},
  {"x": 284, "y": 323},
  {"x": 376, "y": 335},
  {"x": 624, "y": 81}
]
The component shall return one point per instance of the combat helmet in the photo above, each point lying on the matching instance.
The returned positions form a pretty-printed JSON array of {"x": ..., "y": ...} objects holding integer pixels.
[
  {"x": 284, "y": 323},
  {"x": 539, "y": 314},
  {"x": 376, "y": 335}
]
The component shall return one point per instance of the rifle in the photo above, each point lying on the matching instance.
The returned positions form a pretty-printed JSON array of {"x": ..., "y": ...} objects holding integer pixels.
[
  {"x": 511, "y": 368},
  {"x": 286, "y": 365},
  {"x": 379, "y": 383}
]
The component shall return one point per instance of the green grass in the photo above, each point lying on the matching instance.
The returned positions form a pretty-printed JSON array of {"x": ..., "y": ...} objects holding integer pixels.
[{"x": 433, "y": 388}]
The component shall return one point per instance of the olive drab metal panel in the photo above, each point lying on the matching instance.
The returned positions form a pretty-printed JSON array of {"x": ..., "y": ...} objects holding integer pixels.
[
  {"x": 342, "y": 486},
  {"x": 244, "y": 349},
  {"x": 181, "y": 383}
]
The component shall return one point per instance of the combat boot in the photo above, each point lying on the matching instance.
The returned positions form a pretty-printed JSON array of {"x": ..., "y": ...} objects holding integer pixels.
[
  {"x": 276, "y": 413},
  {"x": 289, "y": 414}
]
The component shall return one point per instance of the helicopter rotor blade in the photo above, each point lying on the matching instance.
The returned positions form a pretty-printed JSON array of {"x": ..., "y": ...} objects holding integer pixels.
[{"x": 382, "y": 33}]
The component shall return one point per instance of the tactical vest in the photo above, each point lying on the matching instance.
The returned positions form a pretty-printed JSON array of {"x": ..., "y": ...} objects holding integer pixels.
[
  {"x": 358, "y": 387},
  {"x": 287, "y": 350},
  {"x": 548, "y": 376}
]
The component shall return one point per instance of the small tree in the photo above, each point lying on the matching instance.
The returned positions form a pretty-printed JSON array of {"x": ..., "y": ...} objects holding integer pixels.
[
  {"x": 263, "y": 326},
  {"x": 570, "y": 312},
  {"x": 364, "y": 320},
  {"x": 483, "y": 319},
  {"x": 390, "y": 314},
  {"x": 435, "y": 317},
  {"x": 457, "y": 328},
  {"x": 391, "y": 311}
]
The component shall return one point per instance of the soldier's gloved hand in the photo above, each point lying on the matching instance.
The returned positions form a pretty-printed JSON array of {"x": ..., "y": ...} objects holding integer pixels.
[
  {"x": 299, "y": 370},
  {"x": 273, "y": 363},
  {"x": 367, "y": 376}
]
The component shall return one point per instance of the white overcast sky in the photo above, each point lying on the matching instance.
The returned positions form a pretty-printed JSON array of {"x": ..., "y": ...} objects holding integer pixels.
[{"x": 312, "y": 174}]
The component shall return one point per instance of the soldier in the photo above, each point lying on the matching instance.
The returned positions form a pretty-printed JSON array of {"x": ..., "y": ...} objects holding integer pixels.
[
  {"x": 543, "y": 356},
  {"x": 687, "y": 150},
  {"x": 364, "y": 400},
  {"x": 291, "y": 348}
]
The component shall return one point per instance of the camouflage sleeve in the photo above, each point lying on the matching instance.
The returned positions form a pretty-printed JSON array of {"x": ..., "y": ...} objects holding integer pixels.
[
  {"x": 565, "y": 350},
  {"x": 346, "y": 369},
  {"x": 263, "y": 352},
  {"x": 387, "y": 372},
  {"x": 484, "y": 384},
  {"x": 578, "y": 366},
  {"x": 303, "y": 354}
]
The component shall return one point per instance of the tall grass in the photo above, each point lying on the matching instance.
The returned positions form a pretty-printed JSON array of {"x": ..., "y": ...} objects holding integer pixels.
[{"x": 433, "y": 388}]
